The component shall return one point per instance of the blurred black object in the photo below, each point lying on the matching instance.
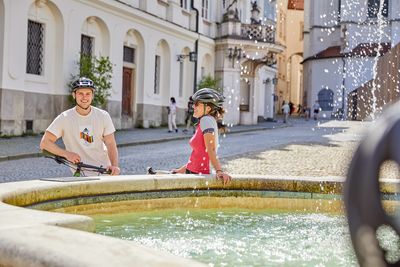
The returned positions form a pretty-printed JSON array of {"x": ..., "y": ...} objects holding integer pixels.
[{"x": 362, "y": 194}]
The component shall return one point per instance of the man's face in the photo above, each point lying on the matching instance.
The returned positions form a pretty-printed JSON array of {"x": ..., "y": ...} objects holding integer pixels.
[{"x": 83, "y": 97}]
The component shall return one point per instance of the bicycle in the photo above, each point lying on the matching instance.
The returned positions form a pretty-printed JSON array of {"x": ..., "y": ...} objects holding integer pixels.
[
  {"x": 154, "y": 172},
  {"x": 79, "y": 167}
]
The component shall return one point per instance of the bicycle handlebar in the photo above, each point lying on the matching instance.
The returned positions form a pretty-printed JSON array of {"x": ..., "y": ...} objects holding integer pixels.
[{"x": 78, "y": 167}]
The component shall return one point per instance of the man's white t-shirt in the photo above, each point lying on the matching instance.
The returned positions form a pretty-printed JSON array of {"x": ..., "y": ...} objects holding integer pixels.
[{"x": 84, "y": 134}]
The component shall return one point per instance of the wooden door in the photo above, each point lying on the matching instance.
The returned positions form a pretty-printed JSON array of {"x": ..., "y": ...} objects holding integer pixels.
[{"x": 127, "y": 92}]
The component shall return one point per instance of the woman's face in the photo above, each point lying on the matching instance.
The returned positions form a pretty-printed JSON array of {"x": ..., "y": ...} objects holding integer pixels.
[{"x": 199, "y": 109}]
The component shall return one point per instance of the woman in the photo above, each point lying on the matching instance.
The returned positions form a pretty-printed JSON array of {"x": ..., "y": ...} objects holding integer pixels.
[
  {"x": 172, "y": 115},
  {"x": 204, "y": 143}
]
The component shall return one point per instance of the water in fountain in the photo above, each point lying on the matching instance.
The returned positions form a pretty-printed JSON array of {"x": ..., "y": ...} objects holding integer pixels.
[{"x": 231, "y": 237}]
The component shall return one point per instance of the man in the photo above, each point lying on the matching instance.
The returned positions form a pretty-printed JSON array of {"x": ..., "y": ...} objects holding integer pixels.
[
  {"x": 285, "y": 110},
  {"x": 189, "y": 115},
  {"x": 87, "y": 131}
]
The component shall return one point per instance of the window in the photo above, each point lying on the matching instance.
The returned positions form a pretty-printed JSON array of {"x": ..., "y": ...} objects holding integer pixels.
[
  {"x": 269, "y": 10},
  {"x": 244, "y": 96},
  {"x": 296, "y": 4},
  {"x": 129, "y": 54},
  {"x": 86, "y": 45},
  {"x": 181, "y": 75},
  {"x": 34, "y": 52},
  {"x": 373, "y": 8},
  {"x": 184, "y": 4},
  {"x": 301, "y": 31},
  {"x": 325, "y": 99},
  {"x": 282, "y": 21},
  {"x": 157, "y": 72},
  {"x": 204, "y": 9}
]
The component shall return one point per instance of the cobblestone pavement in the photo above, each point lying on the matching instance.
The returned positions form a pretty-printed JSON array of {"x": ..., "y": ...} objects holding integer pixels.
[
  {"x": 304, "y": 149},
  {"x": 331, "y": 157}
]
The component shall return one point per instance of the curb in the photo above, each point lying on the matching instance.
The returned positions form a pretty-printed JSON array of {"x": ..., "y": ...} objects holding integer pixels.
[{"x": 142, "y": 142}]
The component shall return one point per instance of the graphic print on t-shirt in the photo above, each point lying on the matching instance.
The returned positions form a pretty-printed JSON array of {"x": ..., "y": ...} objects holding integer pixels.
[{"x": 86, "y": 134}]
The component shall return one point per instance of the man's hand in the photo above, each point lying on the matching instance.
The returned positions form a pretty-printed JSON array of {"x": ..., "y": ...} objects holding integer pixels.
[
  {"x": 114, "y": 170},
  {"x": 73, "y": 157}
]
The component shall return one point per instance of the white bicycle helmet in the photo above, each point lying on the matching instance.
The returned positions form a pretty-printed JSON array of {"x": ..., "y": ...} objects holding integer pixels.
[
  {"x": 83, "y": 82},
  {"x": 208, "y": 95}
]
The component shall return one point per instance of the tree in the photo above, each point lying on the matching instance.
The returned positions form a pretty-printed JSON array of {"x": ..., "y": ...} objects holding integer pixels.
[
  {"x": 209, "y": 82},
  {"x": 99, "y": 70}
]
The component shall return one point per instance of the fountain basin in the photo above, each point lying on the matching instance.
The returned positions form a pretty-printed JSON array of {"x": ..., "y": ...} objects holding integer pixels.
[{"x": 32, "y": 237}]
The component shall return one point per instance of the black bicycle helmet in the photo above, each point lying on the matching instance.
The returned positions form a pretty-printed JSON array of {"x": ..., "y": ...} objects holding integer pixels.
[
  {"x": 208, "y": 95},
  {"x": 83, "y": 82}
]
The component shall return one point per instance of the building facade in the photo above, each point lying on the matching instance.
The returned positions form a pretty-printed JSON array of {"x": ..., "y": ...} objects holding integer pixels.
[
  {"x": 342, "y": 45},
  {"x": 290, "y": 26},
  {"x": 159, "y": 49}
]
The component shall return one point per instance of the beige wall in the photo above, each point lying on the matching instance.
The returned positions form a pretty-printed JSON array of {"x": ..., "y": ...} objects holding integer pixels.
[{"x": 290, "y": 25}]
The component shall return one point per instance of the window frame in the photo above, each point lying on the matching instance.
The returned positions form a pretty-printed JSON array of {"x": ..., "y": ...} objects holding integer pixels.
[
  {"x": 269, "y": 11},
  {"x": 373, "y": 8},
  {"x": 124, "y": 56},
  {"x": 157, "y": 74},
  {"x": 181, "y": 77},
  {"x": 184, "y": 4},
  {"x": 92, "y": 42},
  {"x": 205, "y": 9},
  {"x": 35, "y": 70}
]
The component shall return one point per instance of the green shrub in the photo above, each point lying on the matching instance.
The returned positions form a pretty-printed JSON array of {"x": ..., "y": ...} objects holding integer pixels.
[{"x": 209, "y": 82}]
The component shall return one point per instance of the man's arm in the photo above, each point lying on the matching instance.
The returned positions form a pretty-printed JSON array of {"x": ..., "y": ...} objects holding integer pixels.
[
  {"x": 48, "y": 143},
  {"x": 109, "y": 141}
]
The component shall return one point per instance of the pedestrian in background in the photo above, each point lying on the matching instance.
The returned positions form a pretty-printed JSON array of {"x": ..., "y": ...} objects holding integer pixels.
[
  {"x": 316, "y": 109},
  {"x": 172, "y": 116},
  {"x": 291, "y": 108},
  {"x": 286, "y": 111},
  {"x": 306, "y": 112},
  {"x": 204, "y": 143},
  {"x": 87, "y": 131},
  {"x": 189, "y": 115},
  {"x": 299, "y": 109}
]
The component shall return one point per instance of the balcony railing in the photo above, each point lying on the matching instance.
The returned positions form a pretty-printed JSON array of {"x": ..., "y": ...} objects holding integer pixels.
[{"x": 261, "y": 33}]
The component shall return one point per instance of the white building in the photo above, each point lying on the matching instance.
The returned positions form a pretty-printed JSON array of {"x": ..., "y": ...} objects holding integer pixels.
[
  {"x": 341, "y": 44},
  {"x": 149, "y": 43}
]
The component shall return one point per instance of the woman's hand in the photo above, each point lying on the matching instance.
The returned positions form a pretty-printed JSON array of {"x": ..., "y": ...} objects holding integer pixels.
[
  {"x": 226, "y": 178},
  {"x": 180, "y": 170}
]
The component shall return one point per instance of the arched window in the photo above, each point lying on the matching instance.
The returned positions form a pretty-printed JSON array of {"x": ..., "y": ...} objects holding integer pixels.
[{"x": 325, "y": 99}]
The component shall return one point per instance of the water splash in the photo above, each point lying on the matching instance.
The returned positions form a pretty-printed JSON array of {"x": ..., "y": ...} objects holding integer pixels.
[{"x": 381, "y": 24}]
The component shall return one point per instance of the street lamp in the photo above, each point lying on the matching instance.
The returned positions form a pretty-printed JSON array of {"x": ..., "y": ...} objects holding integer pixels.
[
  {"x": 192, "y": 57},
  {"x": 235, "y": 53}
]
